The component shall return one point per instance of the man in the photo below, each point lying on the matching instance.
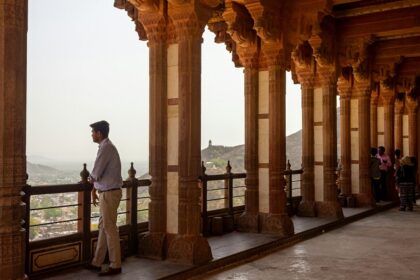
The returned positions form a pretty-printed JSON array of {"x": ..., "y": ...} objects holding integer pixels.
[
  {"x": 385, "y": 165},
  {"x": 107, "y": 181}
]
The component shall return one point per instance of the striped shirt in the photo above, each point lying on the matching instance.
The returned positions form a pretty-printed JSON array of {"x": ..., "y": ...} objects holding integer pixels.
[{"x": 106, "y": 172}]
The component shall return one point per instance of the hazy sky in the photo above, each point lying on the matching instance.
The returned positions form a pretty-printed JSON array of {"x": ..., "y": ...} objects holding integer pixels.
[{"x": 85, "y": 63}]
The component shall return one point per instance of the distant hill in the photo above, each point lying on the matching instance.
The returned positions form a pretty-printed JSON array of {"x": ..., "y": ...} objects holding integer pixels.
[
  {"x": 32, "y": 168},
  {"x": 215, "y": 157}
]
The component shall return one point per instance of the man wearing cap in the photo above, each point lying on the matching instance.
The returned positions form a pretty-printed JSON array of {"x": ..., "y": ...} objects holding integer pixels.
[{"x": 107, "y": 181}]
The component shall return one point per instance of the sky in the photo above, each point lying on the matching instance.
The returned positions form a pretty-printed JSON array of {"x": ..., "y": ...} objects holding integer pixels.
[{"x": 86, "y": 63}]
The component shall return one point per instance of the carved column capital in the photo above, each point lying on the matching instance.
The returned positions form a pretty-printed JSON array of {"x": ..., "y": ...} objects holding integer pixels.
[
  {"x": 327, "y": 76},
  {"x": 362, "y": 88},
  {"x": 344, "y": 88},
  {"x": 155, "y": 26},
  {"x": 306, "y": 78},
  {"x": 303, "y": 62},
  {"x": 374, "y": 98},
  {"x": 412, "y": 104},
  {"x": 189, "y": 18},
  {"x": 275, "y": 55},
  {"x": 387, "y": 95},
  {"x": 399, "y": 106}
]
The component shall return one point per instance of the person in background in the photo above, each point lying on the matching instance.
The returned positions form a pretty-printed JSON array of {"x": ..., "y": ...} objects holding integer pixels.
[
  {"x": 406, "y": 179},
  {"x": 414, "y": 161},
  {"x": 397, "y": 155},
  {"x": 375, "y": 173},
  {"x": 384, "y": 167},
  {"x": 107, "y": 181}
]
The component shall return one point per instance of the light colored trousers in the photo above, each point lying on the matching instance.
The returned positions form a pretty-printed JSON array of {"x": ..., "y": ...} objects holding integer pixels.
[{"x": 109, "y": 237}]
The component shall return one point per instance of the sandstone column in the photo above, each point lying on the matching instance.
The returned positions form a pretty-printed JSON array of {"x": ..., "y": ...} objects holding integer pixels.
[
  {"x": 374, "y": 118},
  {"x": 188, "y": 245},
  {"x": 365, "y": 196},
  {"x": 398, "y": 111},
  {"x": 388, "y": 98},
  {"x": 329, "y": 207},
  {"x": 277, "y": 219},
  {"x": 307, "y": 205},
  {"x": 13, "y": 43},
  {"x": 153, "y": 244},
  {"x": 412, "y": 108},
  {"x": 240, "y": 29},
  {"x": 304, "y": 67},
  {"x": 345, "y": 91},
  {"x": 248, "y": 221}
]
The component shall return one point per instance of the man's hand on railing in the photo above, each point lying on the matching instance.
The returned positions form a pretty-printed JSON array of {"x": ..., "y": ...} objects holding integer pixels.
[{"x": 95, "y": 199}]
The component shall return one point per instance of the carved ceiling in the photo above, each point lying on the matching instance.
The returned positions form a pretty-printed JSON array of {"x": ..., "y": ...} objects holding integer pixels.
[{"x": 378, "y": 39}]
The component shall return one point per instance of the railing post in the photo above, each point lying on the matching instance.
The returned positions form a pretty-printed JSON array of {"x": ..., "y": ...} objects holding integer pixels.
[
  {"x": 203, "y": 178},
  {"x": 132, "y": 196},
  {"x": 86, "y": 211},
  {"x": 290, "y": 181},
  {"x": 230, "y": 187},
  {"x": 26, "y": 198},
  {"x": 288, "y": 177}
]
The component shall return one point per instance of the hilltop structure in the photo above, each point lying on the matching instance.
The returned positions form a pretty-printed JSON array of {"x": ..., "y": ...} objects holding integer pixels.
[{"x": 366, "y": 52}]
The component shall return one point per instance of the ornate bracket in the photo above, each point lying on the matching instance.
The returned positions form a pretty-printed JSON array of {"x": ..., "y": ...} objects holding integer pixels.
[
  {"x": 322, "y": 42},
  {"x": 267, "y": 17},
  {"x": 240, "y": 28},
  {"x": 240, "y": 24},
  {"x": 219, "y": 28}
]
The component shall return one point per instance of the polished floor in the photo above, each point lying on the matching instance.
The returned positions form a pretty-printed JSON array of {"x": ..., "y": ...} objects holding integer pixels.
[
  {"x": 295, "y": 264},
  {"x": 383, "y": 246}
]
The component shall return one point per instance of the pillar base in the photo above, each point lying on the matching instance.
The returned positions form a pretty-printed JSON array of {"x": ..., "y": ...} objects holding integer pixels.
[
  {"x": 279, "y": 224},
  {"x": 329, "y": 209},
  {"x": 189, "y": 250},
  {"x": 365, "y": 200},
  {"x": 152, "y": 246},
  {"x": 307, "y": 209},
  {"x": 248, "y": 222}
]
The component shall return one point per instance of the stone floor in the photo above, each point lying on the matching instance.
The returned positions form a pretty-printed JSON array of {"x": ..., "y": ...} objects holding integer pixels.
[
  {"x": 236, "y": 246},
  {"x": 383, "y": 246}
]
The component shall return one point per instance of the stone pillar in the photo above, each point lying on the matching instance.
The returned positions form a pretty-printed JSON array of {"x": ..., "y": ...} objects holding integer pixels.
[
  {"x": 329, "y": 207},
  {"x": 307, "y": 205},
  {"x": 365, "y": 196},
  {"x": 240, "y": 29},
  {"x": 398, "y": 121},
  {"x": 13, "y": 43},
  {"x": 153, "y": 244},
  {"x": 345, "y": 91},
  {"x": 388, "y": 98},
  {"x": 276, "y": 220},
  {"x": 188, "y": 246},
  {"x": 374, "y": 118},
  {"x": 248, "y": 221},
  {"x": 412, "y": 108}
]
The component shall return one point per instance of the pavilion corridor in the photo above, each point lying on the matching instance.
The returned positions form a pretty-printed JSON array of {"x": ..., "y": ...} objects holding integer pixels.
[{"x": 365, "y": 52}]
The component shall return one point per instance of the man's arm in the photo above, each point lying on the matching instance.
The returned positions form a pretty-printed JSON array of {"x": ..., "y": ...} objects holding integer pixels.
[{"x": 95, "y": 198}]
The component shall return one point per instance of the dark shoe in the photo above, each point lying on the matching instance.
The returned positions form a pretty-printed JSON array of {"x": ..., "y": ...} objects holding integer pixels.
[
  {"x": 410, "y": 209},
  {"x": 402, "y": 209},
  {"x": 110, "y": 271},
  {"x": 93, "y": 267}
]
